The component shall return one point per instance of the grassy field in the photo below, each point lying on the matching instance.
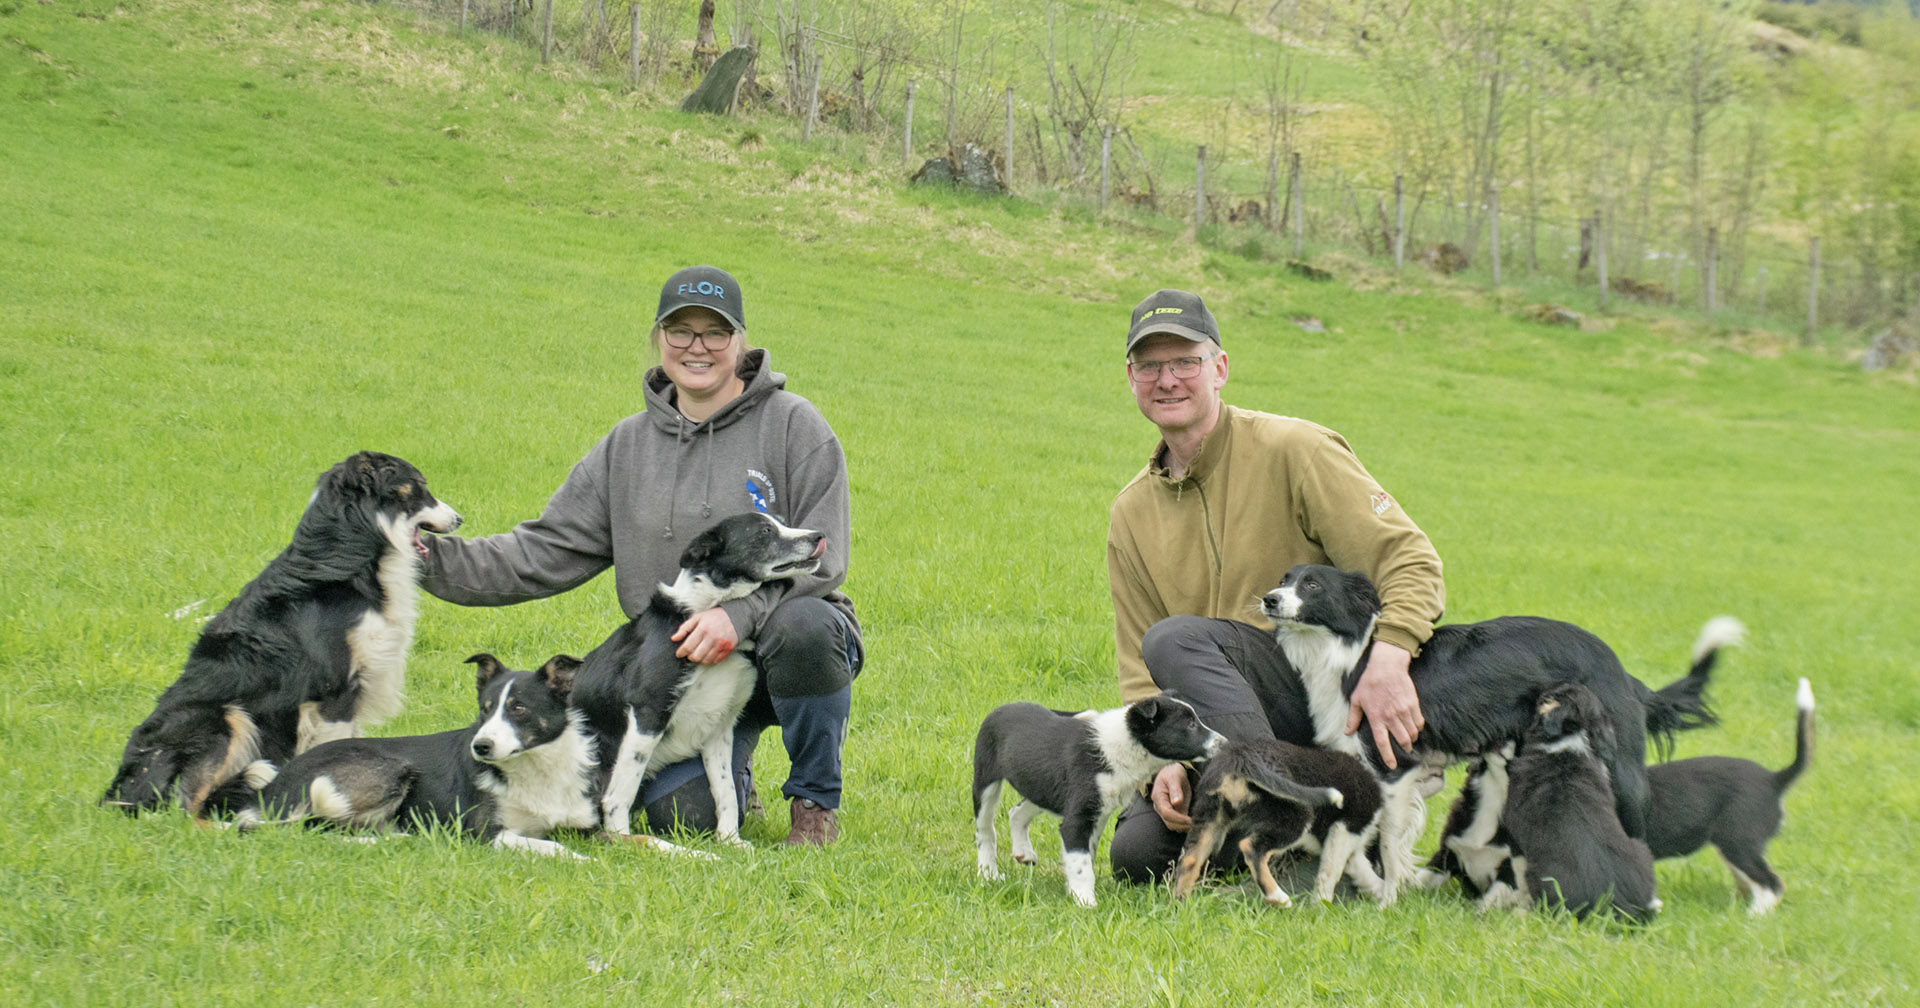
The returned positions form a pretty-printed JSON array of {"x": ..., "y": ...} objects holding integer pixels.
[{"x": 240, "y": 241}]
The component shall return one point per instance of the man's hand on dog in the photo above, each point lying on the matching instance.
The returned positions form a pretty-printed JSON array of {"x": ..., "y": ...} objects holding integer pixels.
[
  {"x": 1386, "y": 699},
  {"x": 1169, "y": 795},
  {"x": 706, "y": 637}
]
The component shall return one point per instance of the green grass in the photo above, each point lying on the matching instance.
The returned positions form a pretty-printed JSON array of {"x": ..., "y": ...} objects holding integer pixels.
[{"x": 239, "y": 242}]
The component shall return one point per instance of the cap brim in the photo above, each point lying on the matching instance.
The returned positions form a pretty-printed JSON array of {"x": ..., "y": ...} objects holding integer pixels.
[
  {"x": 1177, "y": 330},
  {"x": 723, "y": 313}
]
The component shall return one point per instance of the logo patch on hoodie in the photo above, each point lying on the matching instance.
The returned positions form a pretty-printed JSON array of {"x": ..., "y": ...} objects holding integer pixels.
[{"x": 760, "y": 491}]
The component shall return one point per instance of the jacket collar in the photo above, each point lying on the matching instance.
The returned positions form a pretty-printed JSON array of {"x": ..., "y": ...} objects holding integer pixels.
[{"x": 1213, "y": 448}]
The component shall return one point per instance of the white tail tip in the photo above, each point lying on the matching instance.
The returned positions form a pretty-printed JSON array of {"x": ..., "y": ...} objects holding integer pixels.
[
  {"x": 1805, "y": 697},
  {"x": 1720, "y": 631}
]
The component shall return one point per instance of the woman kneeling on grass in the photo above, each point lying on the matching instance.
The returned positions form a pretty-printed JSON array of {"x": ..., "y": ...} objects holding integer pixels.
[{"x": 720, "y": 435}]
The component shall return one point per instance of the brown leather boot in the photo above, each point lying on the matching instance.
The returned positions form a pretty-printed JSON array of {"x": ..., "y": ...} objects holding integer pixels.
[{"x": 813, "y": 824}]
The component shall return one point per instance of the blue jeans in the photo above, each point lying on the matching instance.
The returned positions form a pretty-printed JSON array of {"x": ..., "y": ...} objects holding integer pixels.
[{"x": 808, "y": 655}]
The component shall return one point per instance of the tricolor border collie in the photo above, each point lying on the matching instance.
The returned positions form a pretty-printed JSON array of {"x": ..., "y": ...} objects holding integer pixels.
[
  {"x": 313, "y": 649},
  {"x": 1731, "y": 803},
  {"x": 1478, "y": 683},
  {"x": 522, "y": 769},
  {"x": 650, "y": 708},
  {"x": 1080, "y": 767},
  {"x": 1568, "y": 843},
  {"x": 1279, "y": 796}
]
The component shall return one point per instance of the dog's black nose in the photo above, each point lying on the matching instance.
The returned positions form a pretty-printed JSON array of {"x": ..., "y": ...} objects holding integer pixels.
[{"x": 482, "y": 748}]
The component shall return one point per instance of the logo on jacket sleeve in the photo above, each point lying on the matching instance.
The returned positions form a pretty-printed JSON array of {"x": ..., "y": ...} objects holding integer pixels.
[{"x": 1381, "y": 503}]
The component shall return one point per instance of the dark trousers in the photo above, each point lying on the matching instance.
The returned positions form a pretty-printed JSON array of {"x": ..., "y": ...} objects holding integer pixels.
[
  {"x": 808, "y": 655},
  {"x": 1240, "y": 683}
]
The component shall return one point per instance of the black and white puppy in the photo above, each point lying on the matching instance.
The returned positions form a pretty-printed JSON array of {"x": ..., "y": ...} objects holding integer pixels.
[
  {"x": 1080, "y": 767},
  {"x": 522, "y": 769},
  {"x": 1572, "y": 851},
  {"x": 650, "y": 708},
  {"x": 1279, "y": 796},
  {"x": 1474, "y": 846},
  {"x": 1731, "y": 803},
  {"x": 1477, "y": 684},
  {"x": 313, "y": 649}
]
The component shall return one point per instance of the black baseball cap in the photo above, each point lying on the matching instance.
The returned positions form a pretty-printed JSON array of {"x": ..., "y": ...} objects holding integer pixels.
[
  {"x": 1172, "y": 311},
  {"x": 703, "y": 287}
]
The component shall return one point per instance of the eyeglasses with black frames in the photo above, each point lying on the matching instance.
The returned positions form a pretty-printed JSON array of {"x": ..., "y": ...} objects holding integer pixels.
[
  {"x": 712, "y": 340},
  {"x": 1181, "y": 368}
]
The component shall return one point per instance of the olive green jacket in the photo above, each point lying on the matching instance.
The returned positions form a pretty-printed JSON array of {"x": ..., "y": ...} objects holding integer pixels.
[{"x": 1265, "y": 493}]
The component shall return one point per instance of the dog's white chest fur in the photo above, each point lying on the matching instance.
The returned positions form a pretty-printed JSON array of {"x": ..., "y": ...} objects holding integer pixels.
[
  {"x": 379, "y": 643},
  {"x": 709, "y": 706},
  {"x": 546, "y": 786}
]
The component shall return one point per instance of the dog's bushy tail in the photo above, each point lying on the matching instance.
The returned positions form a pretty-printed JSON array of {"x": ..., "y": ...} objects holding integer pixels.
[
  {"x": 1803, "y": 742},
  {"x": 1682, "y": 704},
  {"x": 1281, "y": 786}
]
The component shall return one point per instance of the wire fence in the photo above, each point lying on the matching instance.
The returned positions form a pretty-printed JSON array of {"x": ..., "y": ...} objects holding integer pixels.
[{"x": 1273, "y": 205}]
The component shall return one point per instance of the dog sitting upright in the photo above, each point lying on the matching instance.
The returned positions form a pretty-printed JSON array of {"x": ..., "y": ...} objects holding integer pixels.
[
  {"x": 313, "y": 649},
  {"x": 649, "y": 707},
  {"x": 1080, "y": 767},
  {"x": 1279, "y": 796},
  {"x": 1560, "y": 812},
  {"x": 1731, "y": 803}
]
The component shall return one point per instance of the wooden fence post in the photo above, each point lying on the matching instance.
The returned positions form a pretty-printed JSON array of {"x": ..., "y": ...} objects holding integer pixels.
[
  {"x": 1199, "y": 189},
  {"x": 1273, "y": 191},
  {"x": 1299, "y": 211},
  {"x": 1493, "y": 231},
  {"x": 546, "y": 33},
  {"x": 1600, "y": 256},
  {"x": 1009, "y": 139},
  {"x": 633, "y": 47},
  {"x": 813, "y": 99},
  {"x": 906, "y": 142},
  {"x": 1760, "y": 302},
  {"x": 1813, "y": 292},
  {"x": 1106, "y": 167},
  {"x": 1399, "y": 222},
  {"x": 1711, "y": 271},
  {"x": 465, "y": 7}
]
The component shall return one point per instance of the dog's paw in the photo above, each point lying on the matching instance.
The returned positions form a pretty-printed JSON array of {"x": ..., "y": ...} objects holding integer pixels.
[
  {"x": 1427, "y": 878},
  {"x": 1026, "y": 857}
]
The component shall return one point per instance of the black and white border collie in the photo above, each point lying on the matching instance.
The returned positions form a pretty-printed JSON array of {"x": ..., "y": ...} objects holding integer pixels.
[
  {"x": 1569, "y": 845},
  {"x": 522, "y": 769},
  {"x": 1081, "y": 767},
  {"x": 1477, "y": 683},
  {"x": 313, "y": 649},
  {"x": 1474, "y": 846},
  {"x": 1731, "y": 803},
  {"x": 1279, "y": 796},
  {"x": 650, "y": 708}
]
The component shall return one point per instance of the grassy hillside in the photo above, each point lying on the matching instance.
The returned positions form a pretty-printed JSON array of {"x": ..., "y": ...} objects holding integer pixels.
[{"x": 240, "y": 241}]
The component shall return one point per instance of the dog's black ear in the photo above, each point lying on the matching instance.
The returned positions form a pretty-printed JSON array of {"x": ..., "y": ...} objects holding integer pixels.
[
  {"x": 558, "y": 673},
  {"x": 701, "y": 550},
  {"x": 489, "y": 667},
  {"x": 1362, "y": 588}
]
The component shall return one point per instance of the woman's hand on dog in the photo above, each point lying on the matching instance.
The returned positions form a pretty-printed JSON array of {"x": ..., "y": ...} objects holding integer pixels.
[
  {"x": 1169, "y": 795},
  {"x": 1385, "y": 697},
  {"x": 706, "y": 637}
]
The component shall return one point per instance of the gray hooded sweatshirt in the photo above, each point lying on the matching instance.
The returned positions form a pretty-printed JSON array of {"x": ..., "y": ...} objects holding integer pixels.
[{"x": 652, "y": 484}]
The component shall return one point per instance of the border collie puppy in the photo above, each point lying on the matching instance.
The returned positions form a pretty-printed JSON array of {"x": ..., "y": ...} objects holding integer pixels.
[
  {"x": 315, "y": 648},
  {"x": 522, "y": 769},
  {"x": 1560, "y": 813},
  {"x": 651, "y": 708},
  {"x": 1731, "y": 803},
  {"x": 1477, "y": 683},
  {"x": 1080, "y": 767},
  {"x": 1474, "y": 846},
  {"x": 1279, "y": 796}
]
